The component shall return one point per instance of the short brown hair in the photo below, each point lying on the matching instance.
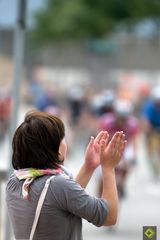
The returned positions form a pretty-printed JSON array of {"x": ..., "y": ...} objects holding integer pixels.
[{"x": 36, "y": 141}]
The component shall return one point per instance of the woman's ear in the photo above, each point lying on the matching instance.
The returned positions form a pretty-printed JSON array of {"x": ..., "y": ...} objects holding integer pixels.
[
  {"x": 62, "y": 150},
  {"x": 61, "y": 158}
]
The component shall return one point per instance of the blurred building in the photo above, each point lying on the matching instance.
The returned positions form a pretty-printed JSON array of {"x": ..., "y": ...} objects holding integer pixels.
[{"x": 94, "y": 60}]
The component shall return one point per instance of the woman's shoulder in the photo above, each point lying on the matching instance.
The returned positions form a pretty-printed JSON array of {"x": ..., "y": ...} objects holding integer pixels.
[
  {"x": 13, "y": 185},
  {"x": 12, "y": 180},
  {"x": 67, "y": 171}
]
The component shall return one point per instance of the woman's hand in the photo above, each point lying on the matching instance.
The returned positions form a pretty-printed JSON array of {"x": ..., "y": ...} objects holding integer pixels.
[
  {"x": 94, "y": 150},
  {"x": 112, "y": 153},
  {"x": 99, "y": 151}
]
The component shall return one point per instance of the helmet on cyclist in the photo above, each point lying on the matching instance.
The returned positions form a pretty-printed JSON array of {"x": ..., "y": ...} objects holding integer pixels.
[
  {"x": 108, "y": 98},
  {"x": 123, "y": 108},
  {"x": 155, "y": 94}
]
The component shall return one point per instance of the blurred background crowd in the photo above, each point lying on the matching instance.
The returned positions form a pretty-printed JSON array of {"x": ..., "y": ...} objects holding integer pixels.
[{"x": 95, "y": 64}]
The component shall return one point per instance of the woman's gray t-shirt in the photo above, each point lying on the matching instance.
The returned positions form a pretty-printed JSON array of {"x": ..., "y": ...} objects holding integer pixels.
[{"x": 65, "y": 205}]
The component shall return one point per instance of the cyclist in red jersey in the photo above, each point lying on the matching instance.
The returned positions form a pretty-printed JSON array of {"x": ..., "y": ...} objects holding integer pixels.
[{"x": 122, "y": 120}]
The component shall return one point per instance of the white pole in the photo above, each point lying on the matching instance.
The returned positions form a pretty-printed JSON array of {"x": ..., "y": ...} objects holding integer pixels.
[
  {"x": 19, "y": 37},
  {"x": 18, "y": 63}
]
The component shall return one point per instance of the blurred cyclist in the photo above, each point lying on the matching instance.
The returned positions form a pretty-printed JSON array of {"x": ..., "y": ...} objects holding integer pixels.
[
  {"x": 122, "y": 120},
  {"x": 100, "y": 104},
  {"x": 103, "y": 103},
  {"x": 151, "y": 126},
  {"x": 76, "y": 100}
]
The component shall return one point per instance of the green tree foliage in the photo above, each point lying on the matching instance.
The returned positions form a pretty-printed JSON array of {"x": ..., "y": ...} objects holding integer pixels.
[{"x": 70, "y": 19}]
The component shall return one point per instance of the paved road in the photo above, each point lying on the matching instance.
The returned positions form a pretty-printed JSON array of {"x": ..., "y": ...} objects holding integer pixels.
[{"x": 140, "y": 208}]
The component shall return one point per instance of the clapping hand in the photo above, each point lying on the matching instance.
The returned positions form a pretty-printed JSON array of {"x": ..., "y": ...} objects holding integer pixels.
[
  {"x": 94, "y": 150},
  {"x": 112, "y": 153}
]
